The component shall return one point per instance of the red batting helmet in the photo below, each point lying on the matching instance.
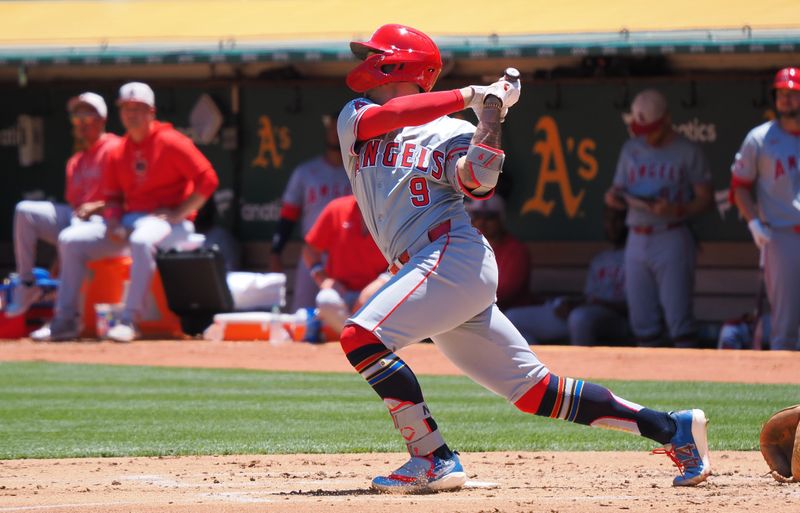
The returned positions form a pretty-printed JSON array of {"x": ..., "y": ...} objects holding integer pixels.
[
  {"x": 787, "y": 78},
  {"x": 402, "y": 54}
]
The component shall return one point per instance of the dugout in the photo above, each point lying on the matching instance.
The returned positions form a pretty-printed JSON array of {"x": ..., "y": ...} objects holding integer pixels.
[{"x": 257, "y": 75}]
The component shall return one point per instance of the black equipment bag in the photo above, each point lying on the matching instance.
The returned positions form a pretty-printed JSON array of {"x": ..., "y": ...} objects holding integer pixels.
[{"x": 195, "y": 286}]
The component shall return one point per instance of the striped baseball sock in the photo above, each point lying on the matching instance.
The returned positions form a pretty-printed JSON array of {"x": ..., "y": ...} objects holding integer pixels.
[
  {"x": 397, "y": 385},
  {"x": 575, "y": 400}
]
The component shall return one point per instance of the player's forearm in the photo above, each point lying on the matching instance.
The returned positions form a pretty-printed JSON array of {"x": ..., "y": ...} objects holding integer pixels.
[
  {"x": 312, "y": 257},
  {"x": 744, "y": 202},
  {"x": 411, "y": 110},
  {"x": 702, "y": 201},
  {"x": 487, "y": 133},
  {"x": 194, "y": 202},
  {"x": 282, "y": 233}
]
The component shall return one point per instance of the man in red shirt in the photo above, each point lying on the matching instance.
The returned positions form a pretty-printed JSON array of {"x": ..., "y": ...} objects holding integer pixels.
[
  {"x": 44, "y": 220},
  {"x": 354, "y": 267},
  {"x": 513, "y": 258},
  {"x": 153, "y": 185}
]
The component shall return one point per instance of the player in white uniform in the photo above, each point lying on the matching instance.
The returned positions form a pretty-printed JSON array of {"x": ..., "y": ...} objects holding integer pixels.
[
  {"x": 663, "y": 179},
  {"x": 768, "y": 160},
  {"x": 600, "y": 315},
  {"x": 313, "y": 184},
  {"x": 410, "y": 166}
]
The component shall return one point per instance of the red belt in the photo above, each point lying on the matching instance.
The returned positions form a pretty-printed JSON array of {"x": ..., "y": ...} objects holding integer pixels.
[
  {"x": 433, "y": 234},
  {"x": 796, "y": 228},
  {"x": 649, "y": 230}
]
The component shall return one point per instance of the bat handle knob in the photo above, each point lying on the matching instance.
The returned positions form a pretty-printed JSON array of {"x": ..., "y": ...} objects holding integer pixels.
[{"x": 511, "y": 74}]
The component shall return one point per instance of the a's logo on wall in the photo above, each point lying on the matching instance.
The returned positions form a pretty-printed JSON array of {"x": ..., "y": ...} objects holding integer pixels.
[
  {"x": 28, "y": 136},
  {"x": 553, "y": 169},
  {"x": 274, "y": 139}
]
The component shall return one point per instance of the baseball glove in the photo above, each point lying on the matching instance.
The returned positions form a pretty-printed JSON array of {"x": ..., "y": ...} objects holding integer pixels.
[{"x": 780, "y": 445}]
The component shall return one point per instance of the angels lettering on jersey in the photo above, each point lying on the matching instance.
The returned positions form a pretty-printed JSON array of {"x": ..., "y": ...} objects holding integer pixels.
[
  {"x": 406, "y": 156},
  {"x": 657, "y": 179},
  {"x": 611, "y": 279},
  {"x": 772, "y": 156},
  {"x": 324, "y": 193}
]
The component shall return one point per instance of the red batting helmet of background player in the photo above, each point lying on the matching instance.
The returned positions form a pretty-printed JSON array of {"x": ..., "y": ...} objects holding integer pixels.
[
  {"x": 402, "y": 54},
  {"x": 787, "y": 78}
]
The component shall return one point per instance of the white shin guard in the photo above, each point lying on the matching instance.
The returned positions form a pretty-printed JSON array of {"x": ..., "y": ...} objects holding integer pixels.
[{"x": 410, "y": 420}]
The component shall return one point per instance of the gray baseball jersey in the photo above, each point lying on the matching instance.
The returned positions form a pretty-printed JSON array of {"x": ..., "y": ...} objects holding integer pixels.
[
  {"x": 769, "y": 159},
  {"x": 606, "y": 277},
  {"x": 313, "y": 184},
  {"x": 660, "y": 255},
  {"x": 405, "y": 183},
  {"x": 587, "y": 324},
  {"x": 668, "y": 172}
]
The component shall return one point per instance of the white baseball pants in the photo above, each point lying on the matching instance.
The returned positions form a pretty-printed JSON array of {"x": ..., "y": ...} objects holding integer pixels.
[
  {"x": 82, "y": 243},
  {"x": 33, "y": 221}
]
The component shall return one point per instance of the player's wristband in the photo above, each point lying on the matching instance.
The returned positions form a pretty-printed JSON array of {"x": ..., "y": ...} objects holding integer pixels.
[{"x": 316, "y": 268}]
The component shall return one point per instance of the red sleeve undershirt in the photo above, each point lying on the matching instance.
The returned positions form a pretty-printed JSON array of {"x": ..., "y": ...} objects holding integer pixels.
[
  {"x": 411, "y": 110},
  {"x": 737, "y": 183}
]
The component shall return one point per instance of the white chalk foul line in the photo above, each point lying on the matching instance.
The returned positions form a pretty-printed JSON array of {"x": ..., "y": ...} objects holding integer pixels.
[
  {"x": 481, "y": 484},
  {"x": 60, "y": 506}
]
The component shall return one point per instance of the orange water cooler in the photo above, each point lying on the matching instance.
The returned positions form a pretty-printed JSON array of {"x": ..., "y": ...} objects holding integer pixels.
[{"x": 106, "y": 282}]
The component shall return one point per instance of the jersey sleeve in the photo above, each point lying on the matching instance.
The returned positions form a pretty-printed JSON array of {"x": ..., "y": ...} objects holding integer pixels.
[
  {"x": 456, "y": 148},
  {"x": 347, "y": 124},
  {"x": 700, "y": 170},
  {"x": 294, "y": 195},
  {"x": 323, "y": 233},
  {"x": 744, "y": 166},
  {"x": 192, "y": 164},
  {"x": 619, "y": 172},
  {"x": 70, "y": 193}
]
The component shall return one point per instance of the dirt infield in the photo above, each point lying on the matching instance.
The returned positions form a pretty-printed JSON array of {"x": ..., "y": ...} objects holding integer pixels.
[{"x": 499, "y": 482}]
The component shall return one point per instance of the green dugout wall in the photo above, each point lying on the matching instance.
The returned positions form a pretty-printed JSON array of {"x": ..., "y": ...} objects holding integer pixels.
[{"x": 561, "y": 140}]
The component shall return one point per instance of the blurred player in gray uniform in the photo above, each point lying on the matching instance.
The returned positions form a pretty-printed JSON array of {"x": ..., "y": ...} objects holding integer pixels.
[
  {"x": 664, "y": 180},
  {"x": 600, "y": 315},
  {"x": 313, "y": 184},
  {"x": 768, "y": 160},
  {"x": 410, "y": 165},
  {"x": 44, "y": 220}
]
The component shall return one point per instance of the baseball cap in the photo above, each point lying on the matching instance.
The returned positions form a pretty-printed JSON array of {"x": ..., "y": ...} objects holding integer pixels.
[
  {"x": 93, "y": 100},
  {"x": 493, "y": 205},
  {"x": 647, "y": 112},
  {"x": 137, "y": 92}
]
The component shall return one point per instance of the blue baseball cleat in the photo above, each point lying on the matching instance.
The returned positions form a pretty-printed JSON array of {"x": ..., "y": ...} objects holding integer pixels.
[
  {"x": 423, "y": 474},
  {"x": 688, "y": 448}
]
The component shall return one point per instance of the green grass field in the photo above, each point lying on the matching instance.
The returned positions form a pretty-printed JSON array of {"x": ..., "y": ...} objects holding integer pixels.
[{"x": 60, "y": 410}]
